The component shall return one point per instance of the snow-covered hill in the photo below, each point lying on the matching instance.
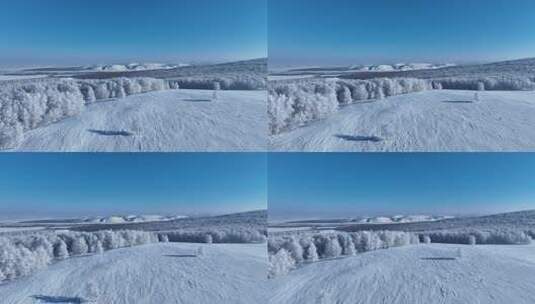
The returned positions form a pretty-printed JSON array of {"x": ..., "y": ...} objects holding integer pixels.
[
  {"x": 119, "y": 219},
  {"x": 416, "y": 274},
  {"x": 173, "y": 120},
  {"x": 399, "y": 67},
  {"x": 135, "y": 67},
  {"x": 155, "y": 273},
  {"x": 438, "y": 120},
  {"x": 519, "y": 221},
  {"x": 503, "y": 69},
  {"x": 400, "y": 219}
]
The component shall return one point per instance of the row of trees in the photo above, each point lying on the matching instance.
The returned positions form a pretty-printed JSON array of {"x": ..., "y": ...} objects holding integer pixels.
[
  {"x": 226, "y": 82},
  {"x": 293, "y": 103},
  {"x": 286, "y": 252},
  {"x": 504, "y": 83},
  {"x": 215, "y": 236},
  {"x": 475, "y": 236}
]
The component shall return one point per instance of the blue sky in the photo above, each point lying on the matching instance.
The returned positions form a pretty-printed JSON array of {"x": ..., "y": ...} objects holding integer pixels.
[
  {"x": 65, "y": 184},
  {"x": 35, "y": 32},
  {"x": 353, "y": 184},
  {"x": 322, "y": 32}
]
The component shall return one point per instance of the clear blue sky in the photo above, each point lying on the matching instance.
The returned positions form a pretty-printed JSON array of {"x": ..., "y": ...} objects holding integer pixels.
[
  {"x": 65, "y": 184},
  {"x": 324, "y": 32},
  {"x": 101, "y": 31},
  {"x": 354, "y": 184}
]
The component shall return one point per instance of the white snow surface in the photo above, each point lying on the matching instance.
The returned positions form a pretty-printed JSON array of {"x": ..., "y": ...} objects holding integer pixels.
[
  {"x": 437, "y": 120},
  {"x": 155, "y": 273},
  {"x": 426, "y": 274},
  {"x": 171, "y": 120}
]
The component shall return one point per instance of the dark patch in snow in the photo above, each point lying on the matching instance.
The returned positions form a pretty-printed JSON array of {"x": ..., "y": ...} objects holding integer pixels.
[
  {"x": 197, "y": 100},
  {"x": 60, "y": 299},
  {"x": 438, "y": 259},
  {"x": 458, "y": 101},
  {"x": 110, "y": 132},
  {"x": 358, "y": 138},
  {"x": 180, "y": 255}
]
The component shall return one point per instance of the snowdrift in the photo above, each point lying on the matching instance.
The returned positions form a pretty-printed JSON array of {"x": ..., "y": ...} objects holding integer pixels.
[
  {"x": 288, "y": 250},
  {"x": 294, "y": 103},
  {"x": 26, "y": 105}
]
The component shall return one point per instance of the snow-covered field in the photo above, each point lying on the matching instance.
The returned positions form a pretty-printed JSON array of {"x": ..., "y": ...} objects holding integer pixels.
[
  {"x": 438, "y": 120},
  {"x": 173, "y": 120},
  {"x": 426, "y": 274},
  {"x": 19, "y": 77},
  {"x": 154, "y": 273}
]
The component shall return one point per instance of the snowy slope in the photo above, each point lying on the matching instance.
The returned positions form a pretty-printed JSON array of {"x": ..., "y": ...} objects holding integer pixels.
[
  {"x": 425, "y": 274},
  {"x": 157, "y": 273},
  {"x": 173, "y": 120},
  {"x": 440, "y": 120}
]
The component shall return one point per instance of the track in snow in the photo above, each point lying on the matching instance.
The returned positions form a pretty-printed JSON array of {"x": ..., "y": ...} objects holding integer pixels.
[
  {"x": 426, "y": 274},
  {"x": 442, "y": 120},
  {"x": 173, "y": 120},
  {"x": 156, "y": 273}
]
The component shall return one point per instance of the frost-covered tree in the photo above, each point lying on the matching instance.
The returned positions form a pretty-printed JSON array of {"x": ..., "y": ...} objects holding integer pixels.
[
  {"x": 295, "y": 249},
  {"x": 344, "y": 96},
  {"x": 481, "y": 86},
  {"x": 332, "y": 248},
  {"x": 163, "y": 238},
  {"x": 60, "y": 250},
  {"x": 471, "y": 240},
  {"x": 208, "y": 239},
  {"x": 280, "y": 263},
  {"x": 311, "y": 254},
  {"x": 79, "y": 246},
  {"x": 427, "y": 239},
  {"x": 99, "y": 249},
  {"x": 216, "y": 87}
]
